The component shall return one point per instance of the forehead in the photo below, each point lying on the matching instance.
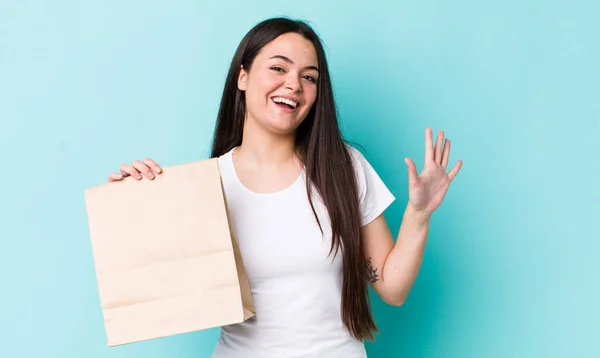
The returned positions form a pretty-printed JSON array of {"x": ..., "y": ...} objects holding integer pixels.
[{"x": 293, "y": 46}]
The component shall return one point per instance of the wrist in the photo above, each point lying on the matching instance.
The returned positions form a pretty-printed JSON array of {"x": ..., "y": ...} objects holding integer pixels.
[{"x": 417, "y": 215}]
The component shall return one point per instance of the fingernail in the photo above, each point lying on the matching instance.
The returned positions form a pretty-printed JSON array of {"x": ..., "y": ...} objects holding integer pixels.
[
  {"x": 157, "y": 170},
  {"x": 138, "y": 176},
  {"x": 150, "y": 175}
]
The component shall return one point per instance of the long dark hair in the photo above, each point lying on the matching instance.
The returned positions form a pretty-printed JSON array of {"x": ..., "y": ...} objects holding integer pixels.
[{"x": 326, "y": 159}]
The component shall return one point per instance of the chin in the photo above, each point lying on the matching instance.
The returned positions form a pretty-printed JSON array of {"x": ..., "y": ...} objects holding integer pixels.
[{"x": 283, "y": 125}]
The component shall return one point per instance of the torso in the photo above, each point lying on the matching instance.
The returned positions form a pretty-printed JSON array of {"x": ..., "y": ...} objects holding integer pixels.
[{"x": 295, "y": 283}]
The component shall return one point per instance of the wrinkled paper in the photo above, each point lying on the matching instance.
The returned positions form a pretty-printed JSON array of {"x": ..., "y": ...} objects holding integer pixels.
[{"x": 165, "y": 254}]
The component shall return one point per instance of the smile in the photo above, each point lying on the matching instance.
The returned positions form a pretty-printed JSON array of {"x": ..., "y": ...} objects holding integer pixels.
[{"x": 281, "y": 101}]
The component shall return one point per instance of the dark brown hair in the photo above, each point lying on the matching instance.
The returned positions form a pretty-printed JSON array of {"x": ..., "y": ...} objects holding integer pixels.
[{"x": 326, "y": 159}]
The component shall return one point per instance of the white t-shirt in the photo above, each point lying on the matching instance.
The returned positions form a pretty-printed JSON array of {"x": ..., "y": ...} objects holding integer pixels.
[{"x": 295, "y": 285}]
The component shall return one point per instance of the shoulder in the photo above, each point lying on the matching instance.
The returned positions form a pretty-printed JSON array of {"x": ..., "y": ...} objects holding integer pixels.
[
  {"x": 226, "y": 169},
  {"x": 225, "y": 158},
  {"x": 355, "y": 154},
  {"x": 373, "y": 195},
  {"x": 363, "y": 170},
  {"x": 359, "y": 161}
]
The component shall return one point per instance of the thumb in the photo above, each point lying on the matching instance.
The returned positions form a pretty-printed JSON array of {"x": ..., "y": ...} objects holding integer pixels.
[{"x": 413, "y": 176}]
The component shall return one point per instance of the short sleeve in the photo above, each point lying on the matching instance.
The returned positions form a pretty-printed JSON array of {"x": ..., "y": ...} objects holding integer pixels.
[{"x": 373, "y": 195}]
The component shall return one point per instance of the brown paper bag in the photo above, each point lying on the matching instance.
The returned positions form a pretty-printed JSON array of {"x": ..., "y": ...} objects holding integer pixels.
[{"x": 165, "y": 253}]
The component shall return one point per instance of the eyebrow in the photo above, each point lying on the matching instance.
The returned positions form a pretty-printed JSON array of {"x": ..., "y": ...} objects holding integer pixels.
[{"x": 288, "y": 60}]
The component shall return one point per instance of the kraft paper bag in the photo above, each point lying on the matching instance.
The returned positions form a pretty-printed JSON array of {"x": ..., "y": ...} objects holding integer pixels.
[{"x": 165, "y": 254}]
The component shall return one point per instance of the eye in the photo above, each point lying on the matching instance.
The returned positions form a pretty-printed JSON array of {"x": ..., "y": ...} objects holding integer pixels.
[
  {"x": 278, "y": 69},
  {"x": 309, "y": 78}
]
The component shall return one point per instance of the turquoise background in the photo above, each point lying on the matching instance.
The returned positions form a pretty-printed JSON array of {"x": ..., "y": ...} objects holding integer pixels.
[{"x": 511, "y": 267}]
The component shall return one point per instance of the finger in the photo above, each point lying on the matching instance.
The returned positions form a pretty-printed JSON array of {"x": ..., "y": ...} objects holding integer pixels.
[
  {"x": 128, "y": 170},
  {"x": 439, "y": 144},
  {"x": 143, "y": 168},
  {"x": 446, "y": 154},
  {"x": 413, "y": 176},
  {"x": 428, "y": 145},
  {"x": 115, "y": 177},
  {"x": 455, "y": 170},
  {"x": 152, "y": 165}
]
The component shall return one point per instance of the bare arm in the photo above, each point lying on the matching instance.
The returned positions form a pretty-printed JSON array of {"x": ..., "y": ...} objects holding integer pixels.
[{"x": 393, "y": 267}]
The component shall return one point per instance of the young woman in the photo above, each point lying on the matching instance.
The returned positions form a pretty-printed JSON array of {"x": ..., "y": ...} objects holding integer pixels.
[{"x": 306, "y": 206}]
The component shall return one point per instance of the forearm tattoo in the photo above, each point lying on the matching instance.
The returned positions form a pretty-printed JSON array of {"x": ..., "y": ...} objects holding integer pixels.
[{"x": 372, "y": 272}]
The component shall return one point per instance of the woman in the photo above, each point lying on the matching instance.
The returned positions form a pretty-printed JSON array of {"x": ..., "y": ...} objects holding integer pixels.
[{"x": 307, "y": 207}]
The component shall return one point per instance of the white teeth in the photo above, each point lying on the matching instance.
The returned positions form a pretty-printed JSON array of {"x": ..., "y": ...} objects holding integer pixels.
[{"x": 286, "y": 101}]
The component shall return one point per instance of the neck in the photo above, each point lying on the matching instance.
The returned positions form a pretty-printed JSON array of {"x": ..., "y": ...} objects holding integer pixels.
[{"x": 265, "y": 149}]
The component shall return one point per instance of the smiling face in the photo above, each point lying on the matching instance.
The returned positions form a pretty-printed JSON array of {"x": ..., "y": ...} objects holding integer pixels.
[{"x": 281, "y": 86}]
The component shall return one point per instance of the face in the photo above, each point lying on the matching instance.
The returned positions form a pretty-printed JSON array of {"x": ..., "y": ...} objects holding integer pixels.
[{"x": 281, "y": 85}]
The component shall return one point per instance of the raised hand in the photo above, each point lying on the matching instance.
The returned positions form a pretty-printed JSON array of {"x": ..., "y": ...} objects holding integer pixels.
[{"x": 427, "y": 189}]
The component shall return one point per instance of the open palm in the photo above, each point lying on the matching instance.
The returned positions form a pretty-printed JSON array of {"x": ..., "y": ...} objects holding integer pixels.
[{"x": 427, "y": 189}]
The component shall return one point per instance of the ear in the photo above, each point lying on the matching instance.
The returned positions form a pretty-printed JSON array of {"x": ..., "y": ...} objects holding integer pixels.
[{"x": 242, "y": 78}]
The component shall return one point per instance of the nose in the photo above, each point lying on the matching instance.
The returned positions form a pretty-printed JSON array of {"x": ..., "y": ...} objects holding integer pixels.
[{"x": 293, "y": 82}]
